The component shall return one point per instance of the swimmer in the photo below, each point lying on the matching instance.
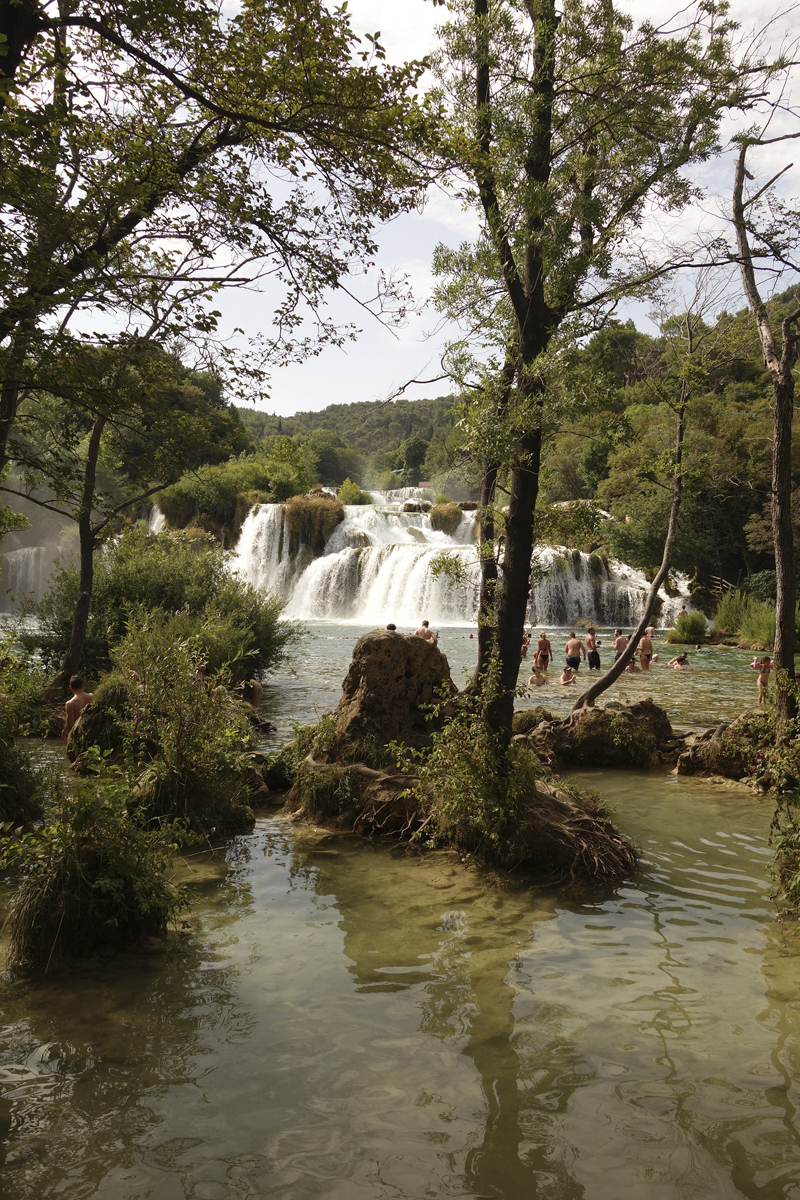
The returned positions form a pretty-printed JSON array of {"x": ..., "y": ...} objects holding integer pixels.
[
  {"x": 538, "y": 678},
  {"x": 573, "y": 650},
  {"x": 620, "y": 642},
  {"x": 632, "y": 668},
  {"x": 763, "y": 666},
  {"x": 75, "y": 705},
  {"x": 544, "y": 651},
  {"x": 426, "y": 633},
  {"x": 645, "y": 652},
  {"x": 593, "y": 657},
  {"x": 526, "y": 641},
  {"x": 567, "y": 675},
  {"x": 651, "y": 631},
  {"x": 680, "y": 662}
]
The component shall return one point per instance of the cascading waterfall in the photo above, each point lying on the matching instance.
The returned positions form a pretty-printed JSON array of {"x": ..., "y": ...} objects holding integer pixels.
[
  {"x": 376, "y": 567},
  {"x": 25, "y": 571}
]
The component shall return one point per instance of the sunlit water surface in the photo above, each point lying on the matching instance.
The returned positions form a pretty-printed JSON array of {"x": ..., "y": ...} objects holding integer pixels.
[
  {"x": 718, "y": 685},
  {"x": 348, "y": 1020}
]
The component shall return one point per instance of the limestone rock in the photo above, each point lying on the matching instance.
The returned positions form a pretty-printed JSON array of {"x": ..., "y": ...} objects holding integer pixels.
[
  {"x": 728, "y": 750},
  {"x": 391, "y": 678},
  {"x": 626, "y": 736}
]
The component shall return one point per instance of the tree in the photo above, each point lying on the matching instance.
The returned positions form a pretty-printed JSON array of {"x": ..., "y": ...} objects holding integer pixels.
[
  {"x": 154, "y": 153},
  {"x": 566, "y": 125},
  {"x": 774, "y": 244},
  {"x": 128, "y": 408}
]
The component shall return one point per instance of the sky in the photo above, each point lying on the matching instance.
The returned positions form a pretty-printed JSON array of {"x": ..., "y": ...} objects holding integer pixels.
[{"x": 382, "y": 360}]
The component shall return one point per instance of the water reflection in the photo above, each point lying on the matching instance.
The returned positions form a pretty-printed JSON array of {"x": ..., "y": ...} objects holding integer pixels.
[{"x": 352, "y": 1020}]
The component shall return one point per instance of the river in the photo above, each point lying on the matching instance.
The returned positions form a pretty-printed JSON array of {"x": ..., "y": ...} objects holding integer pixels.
[
  {"x": 340, "y": 1019},
  {"x": 344, "y": 1019}
]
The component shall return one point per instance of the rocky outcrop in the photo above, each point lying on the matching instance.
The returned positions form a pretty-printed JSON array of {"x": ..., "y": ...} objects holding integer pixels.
[
  {"x": 633, "y": 735},
  {"x": 393, "y": 680},
  {"x": 730, "y": 750}
]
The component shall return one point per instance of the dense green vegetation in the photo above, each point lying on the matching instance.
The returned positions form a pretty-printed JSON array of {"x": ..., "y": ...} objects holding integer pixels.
[{"x": 184, "y": 574}]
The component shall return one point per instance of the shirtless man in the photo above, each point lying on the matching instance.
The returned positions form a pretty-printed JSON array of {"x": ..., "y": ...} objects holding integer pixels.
[
  {"x": 567, "y": 675},
  {"x": 75, "y": 705},
  {"x": 544, "y": 651},
  {"x": 573, "y": 650},
  {"x": 680, "y": 662},
  {"x": 593, "y": 657},
  {"x": 645, "y": 652},
  {"x": 651, "y": 631},
  {"x": 538, "y": 678},
  {"x": 620, "y": 642},
  {"x": 426, "y": 633}
]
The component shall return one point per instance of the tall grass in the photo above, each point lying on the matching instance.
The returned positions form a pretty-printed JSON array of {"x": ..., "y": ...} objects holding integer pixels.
[
  {"x": 689, "y": 629},
  {"x": 753, "y": 621}
]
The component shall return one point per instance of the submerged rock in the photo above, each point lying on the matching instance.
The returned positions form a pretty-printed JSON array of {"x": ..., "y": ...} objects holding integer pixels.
[{"x": 632, "y": 735}]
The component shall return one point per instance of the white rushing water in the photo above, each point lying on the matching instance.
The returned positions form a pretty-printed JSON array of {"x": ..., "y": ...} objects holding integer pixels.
[
  {"x": 25, "y": 571},
  {"x": 376, "y": 567}
]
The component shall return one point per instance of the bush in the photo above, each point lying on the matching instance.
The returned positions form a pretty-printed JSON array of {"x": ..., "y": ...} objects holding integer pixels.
[
  {"x": 690, "y": 628},
  {"x": 183, "y": 741},
  {"x": 22, "y": 681},
  {"x": 351, "y": 493},
  {"x": 762, "y": 586},
  {"x": 168, "y": 573},
  {"x": 730, "y": 612},
  {"x": 757, "y": 625},
  {"x": 91, "y": 876},
  {"x": 313, "y": 519},
  {"x": 446, "y": 518},
  {"x": 20, "y": 783}
]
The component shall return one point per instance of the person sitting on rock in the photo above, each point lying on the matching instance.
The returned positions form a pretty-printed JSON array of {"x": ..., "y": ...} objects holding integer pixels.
[
  {"x": 252, "y": 692},
  {"x": 567, "y": 675},
  {"x": 426, "y": 633},
  {"x": 75, "y": 705},
  {"x": 538, "y": 678}
]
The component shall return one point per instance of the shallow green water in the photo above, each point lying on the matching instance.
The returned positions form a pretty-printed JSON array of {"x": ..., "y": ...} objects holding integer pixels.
[
  {"x": 719, "y": 684},
  {"x": 352, "y": 1020}
]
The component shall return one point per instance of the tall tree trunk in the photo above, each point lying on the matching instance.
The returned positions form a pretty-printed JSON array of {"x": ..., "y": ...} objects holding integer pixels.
[
  {"x": 587, "y": 698},
  {"x": 488, "y": 552},
  {"x": 778, "y": 362},
  {"x": 86, "y": 531},
  {"x": 783, "y": 535},
  {"x": 489, "y": 547}
]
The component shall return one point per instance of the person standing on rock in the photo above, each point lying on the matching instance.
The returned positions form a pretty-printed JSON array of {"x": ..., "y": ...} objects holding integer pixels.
[
  {"x": 573, "y": 650},
  {"x": 620, "y": 642},
  {"x": 645, "y": 652},
  {"x": 426, "y": 633},
  {"x": 593, "y": 657},
  {"x": 544, "y": 651},
  {"x": 75, "y": 705}
]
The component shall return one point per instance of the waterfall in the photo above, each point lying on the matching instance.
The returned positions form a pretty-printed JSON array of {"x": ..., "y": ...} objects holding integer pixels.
[
  {"x": 25, "y": 571},
  {"x": 376, "y": 567},
  {"x": 157, "y": 520}
]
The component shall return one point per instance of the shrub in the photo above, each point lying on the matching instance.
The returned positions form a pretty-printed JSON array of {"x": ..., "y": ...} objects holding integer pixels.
[
  {"x": 20, "y": 783},
  {"x": 446, "y": 518},
  {"x": 22, "y": 680},
  {"x": 763, "y": 585},
  {"x": 168, "y": 573},
  {"x": 730, "y": 612},
  {"x": 91, "y": 876},
  {"x": 758, "y": 624},
  {"x": 351, "y": 493},
  {"x": 690, "y": 628},
  {"x": 183, "y": 740},
  {"x": 313, "y": 519}
]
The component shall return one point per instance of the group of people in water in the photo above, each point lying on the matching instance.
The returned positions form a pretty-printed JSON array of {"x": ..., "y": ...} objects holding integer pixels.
[{"x": 578, "y": 650}]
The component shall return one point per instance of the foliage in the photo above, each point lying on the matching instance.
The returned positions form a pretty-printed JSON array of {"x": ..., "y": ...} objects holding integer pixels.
[
  {"x": 445, "y": 518},
  {"x": 351, "y": 493},
  {"x": 90, "y": 876},
  {"x": 314, "y": 518},
  {"x": 20, "y": 783},
  {"x": 730, "y": 612},
  {"x": 527, "y": 719},
  {"x": 168, "y": 573},
  {"x": 636, "y": 738},
  {"x": 690, "y": 628},
  {"x": 741, "y": 614},
  {"x": 183, "y": 738},
  {"x": 22, "y": 680}
]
